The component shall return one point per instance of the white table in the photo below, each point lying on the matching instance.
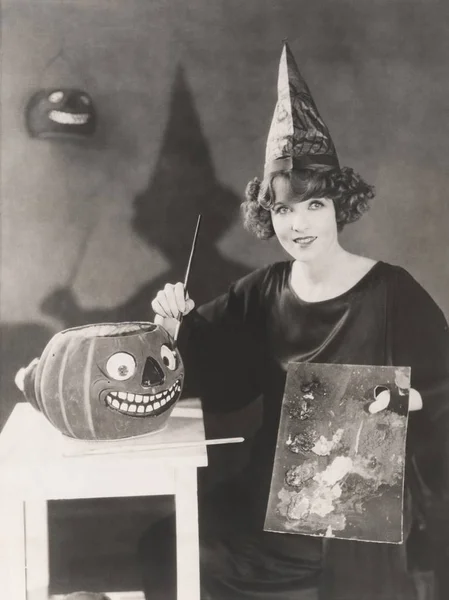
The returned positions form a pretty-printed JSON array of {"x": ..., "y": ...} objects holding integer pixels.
[{"x": 36, "y": 466}]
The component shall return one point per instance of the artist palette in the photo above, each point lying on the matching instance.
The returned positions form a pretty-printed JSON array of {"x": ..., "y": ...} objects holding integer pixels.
[{"x": 338, "y": 469}]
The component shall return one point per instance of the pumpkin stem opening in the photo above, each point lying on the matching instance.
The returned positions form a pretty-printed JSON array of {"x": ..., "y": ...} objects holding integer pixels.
[{"x": 111, "y": 329}]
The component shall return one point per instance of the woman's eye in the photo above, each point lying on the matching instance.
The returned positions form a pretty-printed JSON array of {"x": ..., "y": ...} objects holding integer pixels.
[
  {"x": 316, "y": 204},
  {"x": 169, "y": 358},
  {"x": 121, "y": 366},
  {"x": 281, "y": 210}
]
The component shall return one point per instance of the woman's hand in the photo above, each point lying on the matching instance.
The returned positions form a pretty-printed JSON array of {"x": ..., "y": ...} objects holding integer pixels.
[
  {"x": 170, "y": 305},
  {"x": 383, "y": 400}
]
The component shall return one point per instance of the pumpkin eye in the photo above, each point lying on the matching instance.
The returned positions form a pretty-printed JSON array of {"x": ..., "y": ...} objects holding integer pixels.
[
  {"x": 169, "y": 358},
  {"x": 56, "y": 97},
  {"x": 121, "y": 366}
]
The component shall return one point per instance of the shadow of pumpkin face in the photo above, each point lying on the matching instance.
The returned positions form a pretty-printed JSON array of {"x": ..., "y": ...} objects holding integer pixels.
[{"x": 109, "y": 381}]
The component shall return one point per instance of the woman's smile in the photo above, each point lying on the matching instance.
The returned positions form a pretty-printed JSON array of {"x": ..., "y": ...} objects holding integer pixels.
[{"x": 304, "y": 241}]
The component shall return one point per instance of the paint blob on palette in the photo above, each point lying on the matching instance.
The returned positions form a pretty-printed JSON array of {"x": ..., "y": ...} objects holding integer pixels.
[{"x": 338, "y": 469}]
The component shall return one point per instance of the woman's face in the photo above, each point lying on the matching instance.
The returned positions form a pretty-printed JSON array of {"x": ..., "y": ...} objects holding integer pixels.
[{"x": 307, "y": 230}]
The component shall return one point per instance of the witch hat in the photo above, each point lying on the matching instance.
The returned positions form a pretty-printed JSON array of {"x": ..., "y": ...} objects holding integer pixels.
[{"x": 298, "y": 137}]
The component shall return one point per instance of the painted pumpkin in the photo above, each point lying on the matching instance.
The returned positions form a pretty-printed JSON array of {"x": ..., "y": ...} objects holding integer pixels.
[
  {"x": 61, "y": 113},
  {"x": 107, "y": 381}
]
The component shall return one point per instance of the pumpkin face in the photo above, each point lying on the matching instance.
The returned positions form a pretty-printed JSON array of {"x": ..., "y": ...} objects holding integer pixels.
[
  {"x": 109, "y": 381},
  {"x": 63, "y": 113}
]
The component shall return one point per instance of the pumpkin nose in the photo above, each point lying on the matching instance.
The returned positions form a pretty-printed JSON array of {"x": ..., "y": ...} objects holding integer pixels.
[{"x": 152, "y": 373}]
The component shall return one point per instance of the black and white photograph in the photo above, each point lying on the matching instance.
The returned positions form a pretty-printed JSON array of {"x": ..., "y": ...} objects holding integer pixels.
[{"x": 224, "y": 300}]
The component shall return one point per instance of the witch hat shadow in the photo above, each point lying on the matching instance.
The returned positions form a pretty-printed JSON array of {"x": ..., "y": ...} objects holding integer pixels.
[{"x": 183, "y": 185}]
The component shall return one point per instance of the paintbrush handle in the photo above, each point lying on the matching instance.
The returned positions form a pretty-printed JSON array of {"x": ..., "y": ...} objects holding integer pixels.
[
  {"x": 186, "y": 277},
  {"x": 192, "y": 251}
]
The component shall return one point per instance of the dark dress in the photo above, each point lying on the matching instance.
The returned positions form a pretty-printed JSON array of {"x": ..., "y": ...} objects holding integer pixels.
[{"x": 236, "y": 348}]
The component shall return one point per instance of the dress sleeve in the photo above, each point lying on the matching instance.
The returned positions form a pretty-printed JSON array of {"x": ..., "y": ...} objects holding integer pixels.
[
  {"x": 220, "y": 347},
  {"x": 421, "y": 341}
]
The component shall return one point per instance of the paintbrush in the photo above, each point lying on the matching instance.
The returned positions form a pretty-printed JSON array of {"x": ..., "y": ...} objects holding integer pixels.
[
  {"x": 189, "y": 265},
  {"x": 73, "y": 447}
]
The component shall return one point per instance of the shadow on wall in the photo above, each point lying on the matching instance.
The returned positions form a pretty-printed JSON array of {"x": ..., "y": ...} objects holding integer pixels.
[
  {"x": 183, "y": 185},
  {"x": 20, "y": 343}
]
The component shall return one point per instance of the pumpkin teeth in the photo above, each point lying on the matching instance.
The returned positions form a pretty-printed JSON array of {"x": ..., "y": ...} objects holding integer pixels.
[
  {"x": 132, "y": 404},
  {"x": 65, "y": 118}
]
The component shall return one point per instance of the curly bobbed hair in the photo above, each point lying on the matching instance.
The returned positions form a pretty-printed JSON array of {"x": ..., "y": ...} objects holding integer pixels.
[{"x": 348, "y": 191}]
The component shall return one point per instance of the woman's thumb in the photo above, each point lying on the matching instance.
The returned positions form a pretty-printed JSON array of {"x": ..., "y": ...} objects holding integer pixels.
[{"x": 190, "y": 305}]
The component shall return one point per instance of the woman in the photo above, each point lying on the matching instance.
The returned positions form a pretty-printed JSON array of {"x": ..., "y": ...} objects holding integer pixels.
[{"x": 323, "y": 305}]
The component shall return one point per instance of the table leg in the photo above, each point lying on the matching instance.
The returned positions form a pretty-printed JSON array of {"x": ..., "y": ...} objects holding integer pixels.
[
  {"x": 187, "y": 542},
  {"x": 12, "y": 548},
  {"x": 37, "y": 559}
]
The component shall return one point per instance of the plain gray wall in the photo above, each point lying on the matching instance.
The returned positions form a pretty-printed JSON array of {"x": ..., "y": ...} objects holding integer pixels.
[{"x": 378, "y": 72}]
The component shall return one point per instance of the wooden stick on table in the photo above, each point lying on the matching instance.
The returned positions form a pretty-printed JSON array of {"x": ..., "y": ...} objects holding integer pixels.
[{"x": 92, "y": 450}]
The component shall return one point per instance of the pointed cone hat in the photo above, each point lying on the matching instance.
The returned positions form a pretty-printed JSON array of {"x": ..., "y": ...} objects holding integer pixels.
[{"x": 298, "y": 137}]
